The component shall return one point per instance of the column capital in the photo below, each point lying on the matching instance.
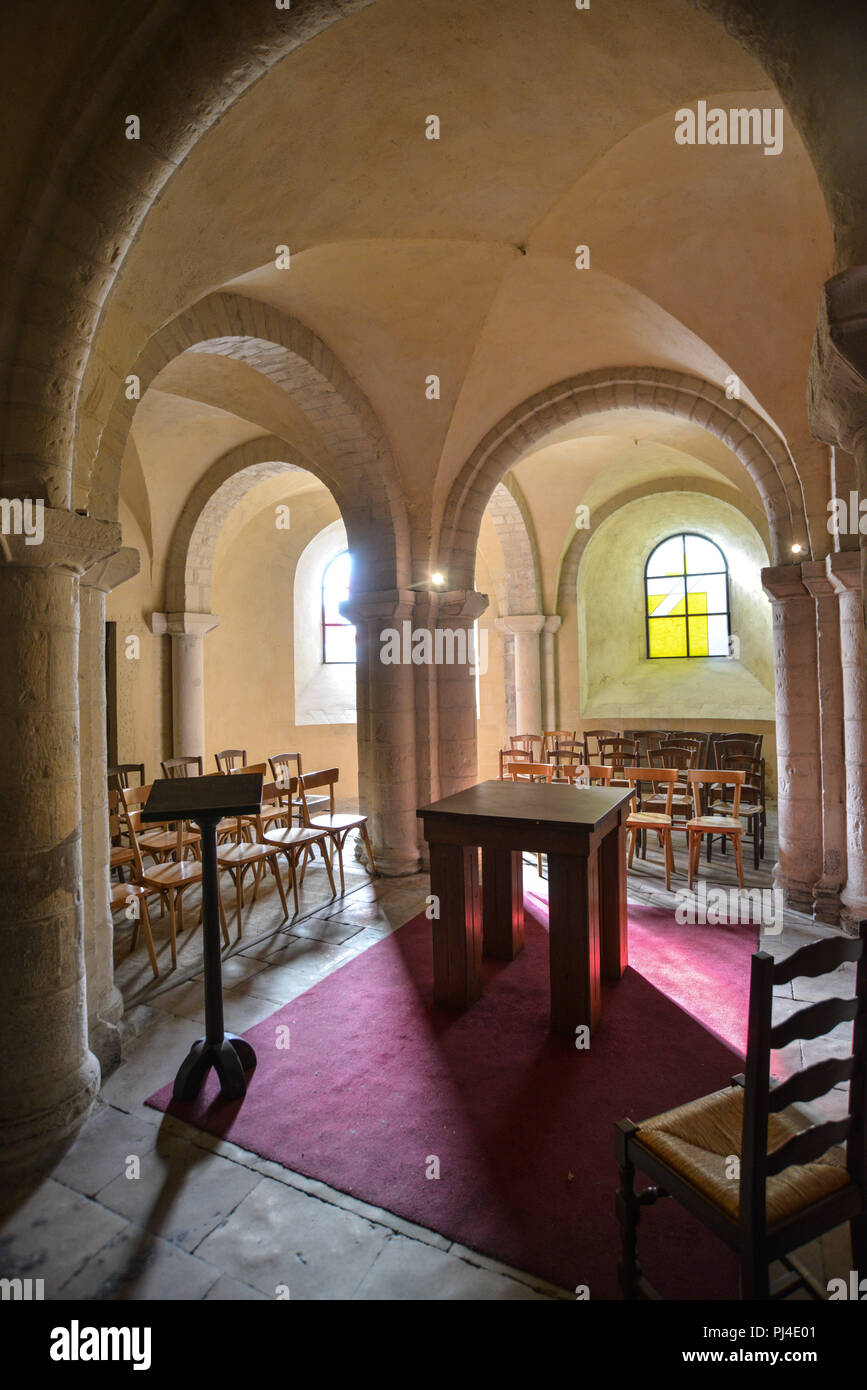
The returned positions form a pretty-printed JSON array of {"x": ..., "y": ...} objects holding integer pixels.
[
  {"x": 783, "y": 582},
  {"x": 34, "y": 536},
  {"x": 844, "y": 571},
  {"x": 837, "y": 385},
  {"x": 110, "y": 573},
  {"x": 458, "y": 606},
  {"x": 522, "y": 624},
  {"x": 816, "y": 580},
  {"x": 183, "y": 624},
  {"x": 553, "y": 624},
  {"x": 379, "y": 604}
]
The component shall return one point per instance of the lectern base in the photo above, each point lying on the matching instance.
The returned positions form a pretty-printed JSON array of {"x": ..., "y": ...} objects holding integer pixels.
[{"x": 231, "y": 1059}]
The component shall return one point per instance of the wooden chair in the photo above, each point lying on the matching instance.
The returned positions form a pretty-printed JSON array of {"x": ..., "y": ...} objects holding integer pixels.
[
  {"x": 801, "y": 1188},
  {"x": 183, "y": 767},
  {"x": 552, "y": 738},
  {"x": 274, "y": 801},
  {"x": 513, "y": 755},
  {"x": 121, "y": 773},
  {"x": 591, "y": 742},
  {"x": 295, "y": 840},
  {"x": 707, "y": 824},
  {"x": 337, "y": 823},
  {"x": 752, "y": 807},
  {"x": 123, "y": 895},
  {"x": 567, "y": 752},
  {"x": 662, "y": 780},
  {"x": 256, "y": 854},
  {"x": 159, "y": 841},
  {"x": 673, "y": 755},
  {"x": 231, "y": 759},
  {"x": 618, "y": 753},
  {"x": 528, "y": 743},
  {"x": 598, "y": 774},
  {"x": 740, "y": 745},
  {"x": 171, "y": 878},
  {"x": 285, "y": 766}
]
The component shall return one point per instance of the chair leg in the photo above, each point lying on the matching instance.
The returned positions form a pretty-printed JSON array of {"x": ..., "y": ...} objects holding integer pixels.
[
  {"x": 538, "y": 864},
  {"x": 367, "y": 845},
  {"x": 693, "y": 841},
  {"x": 669, "y": 858},
  {"x": 755, "y": 842},
  {"x": 149, "y": 938},
  {"x": 293, "y": 866},
  {"x": 328, "y": 870},
  {"x": 275, "y": 869},
  {"x": 172, "y": 929},
  {"x": 628, "y": 1213},
  {"x": 630, "y": 836},
  {"x": 858, "y": 1232},
  {"x": 709, "y": 848},
  {"x": 739, "y": 858}
]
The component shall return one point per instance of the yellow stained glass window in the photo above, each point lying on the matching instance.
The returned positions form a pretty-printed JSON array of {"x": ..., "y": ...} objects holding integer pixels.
[{"x": 686, "y": 592}]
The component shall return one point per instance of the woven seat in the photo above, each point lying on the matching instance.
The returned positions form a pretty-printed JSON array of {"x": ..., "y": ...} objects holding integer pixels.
[{"x": 698, "y": 1141}]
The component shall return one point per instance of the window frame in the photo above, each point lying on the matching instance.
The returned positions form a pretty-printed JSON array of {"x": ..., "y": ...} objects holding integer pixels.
[
  {"x": 324, "y": 624},
  {"x": 687, "y": 575}
]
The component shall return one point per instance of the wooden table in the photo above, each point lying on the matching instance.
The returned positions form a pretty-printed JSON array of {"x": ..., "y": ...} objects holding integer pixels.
[{"x": 583, "y": 832}]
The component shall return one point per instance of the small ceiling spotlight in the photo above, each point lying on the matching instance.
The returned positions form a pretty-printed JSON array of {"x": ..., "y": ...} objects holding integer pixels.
[
  {"x": 797, "y": 548},
  {"x": 437, "y": 579}
]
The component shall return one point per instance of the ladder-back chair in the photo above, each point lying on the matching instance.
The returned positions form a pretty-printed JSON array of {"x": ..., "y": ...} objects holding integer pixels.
[
  {"x": 642, "y": 821},
  {"x": 728, "y": 824},
  {"x": 231, "y": 759},
  {"x": 192, "y": 766},
  {"x": 768, "y": 1202},
  {"x": 338, "y": 824}
]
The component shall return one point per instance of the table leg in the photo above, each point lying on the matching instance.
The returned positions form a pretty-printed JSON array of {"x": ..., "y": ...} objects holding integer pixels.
[
  {"x": 457, "y": 934},
  {"x": 573, "y": 907},
  {"x": 502, "y": 903},
  {"x": 612, "y": 895}
]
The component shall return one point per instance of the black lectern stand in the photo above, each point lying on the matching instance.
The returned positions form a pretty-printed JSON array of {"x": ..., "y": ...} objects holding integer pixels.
[{"x": 206, "y": 800}]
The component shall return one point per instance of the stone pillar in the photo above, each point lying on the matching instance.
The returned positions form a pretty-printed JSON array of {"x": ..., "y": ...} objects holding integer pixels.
[
  {"x": 188, "y": 632},
  {"x": 104, "y": 1000},
  {"x": 528, "y": 677},
  {"x": 826, "y": 900},
  {"x": 549, "y": 671},
  {"x": 457, "y": 744},
  {"x": 49, "y": 1076},
  {"x": 798, "y": 757},
  {"x": 385, "y": 707},
  {"x": 844, "y": 572}
]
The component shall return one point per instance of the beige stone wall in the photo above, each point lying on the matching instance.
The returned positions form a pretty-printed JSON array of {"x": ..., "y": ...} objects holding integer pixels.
[{"x": 249, "y": 658}]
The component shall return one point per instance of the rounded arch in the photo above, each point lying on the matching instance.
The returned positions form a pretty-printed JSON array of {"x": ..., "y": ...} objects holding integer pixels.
[
  {"x": 577, "y": 540},
  {"x": 509, "y": 513},
  {"x": 362, "y": 474},
  {"x": 763, "y": 453},
  {"x": 190, "y": 562},
  {"x": 180, "y": 71}
]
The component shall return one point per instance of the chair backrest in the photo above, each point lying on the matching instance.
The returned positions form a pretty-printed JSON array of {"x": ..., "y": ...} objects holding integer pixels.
[
  {"x": 599, "y": 772},
  {"x": 192, "y": 766},
  {"x": 749, "y": 745},
  {"x": 120, "y": 774},
  {"x": 673, "y": 755},
  {"x": 530, "y": 743},
  {"x": 552, "y": 738},
  {"x": 753, "y": 790},
  {"x": 761, "y": 1101},
  {"x": 570, "y": 772},
  {"x": 591, "y": 742},
  {"x": 285, "y": 765},
  {"x": 309, "y": 781},
  {"x": 662, "y": 780},
  {"x": 231, "y": 759},
  {"x": 530, "y": 772},
  {"x": 125, "y": 803},
  {"x": 698, "y": 779},
  {"x": 618, "y": 752},
  {"x": 254, "y": 767},
  {"x": 512, "y": 755}
]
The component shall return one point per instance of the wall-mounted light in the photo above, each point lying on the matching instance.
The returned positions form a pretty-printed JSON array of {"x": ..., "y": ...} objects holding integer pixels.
[
  {"x": 797, "y": 548},
  {"x": 437, "y": 579}
]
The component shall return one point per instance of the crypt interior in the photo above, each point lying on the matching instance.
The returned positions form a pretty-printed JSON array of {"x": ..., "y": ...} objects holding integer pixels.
[{"x": 329, "y": 331}]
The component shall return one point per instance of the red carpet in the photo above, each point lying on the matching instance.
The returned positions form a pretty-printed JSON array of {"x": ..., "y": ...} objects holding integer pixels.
[{"x": 378, "y": 1081}]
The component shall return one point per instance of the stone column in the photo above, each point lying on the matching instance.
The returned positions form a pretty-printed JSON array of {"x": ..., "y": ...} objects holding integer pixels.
[
  {"x": 188, "y": 632},
  {"x": 528, "y": 678},
  {"x": 385, "y": 707},
  {"x": 455, "y": 661},
  {"x": 549, "y": 670},
  {"x": 798, "y": 757},
  {"x": 826, "y": 900},
  {"x": 844, "y": 572},
  {"x": 49, "y": 1076},
  {"x": 104, "y": 1000}
]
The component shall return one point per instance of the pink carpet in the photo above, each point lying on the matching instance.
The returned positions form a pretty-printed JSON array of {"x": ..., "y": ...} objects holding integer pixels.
[{"x": 378, "y": 1080}]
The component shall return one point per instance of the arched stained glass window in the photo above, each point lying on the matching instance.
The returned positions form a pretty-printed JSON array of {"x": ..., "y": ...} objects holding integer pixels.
[
  {"x": 687, "y": 598},
  {"x": 338, "y": 635}
]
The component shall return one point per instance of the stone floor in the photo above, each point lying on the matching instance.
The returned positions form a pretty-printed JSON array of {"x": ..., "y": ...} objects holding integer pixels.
[{"x": 208, "y": 1220}]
